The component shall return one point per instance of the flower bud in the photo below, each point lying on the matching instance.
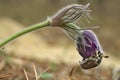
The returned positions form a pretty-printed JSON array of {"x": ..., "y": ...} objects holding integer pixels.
[
  {"x": 69, "y": 14},
  {"x": 88, "y": 44},
  {"x": 90, "y": 49}
]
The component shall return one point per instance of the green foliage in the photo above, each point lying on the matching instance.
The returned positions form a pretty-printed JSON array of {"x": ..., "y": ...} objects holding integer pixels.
[
  {"x": 47, "y": 75},
  {"x": 53, "y": 66}
]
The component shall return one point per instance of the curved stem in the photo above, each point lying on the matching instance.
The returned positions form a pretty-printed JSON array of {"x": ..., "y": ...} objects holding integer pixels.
[{"x": 24, "y": 31}]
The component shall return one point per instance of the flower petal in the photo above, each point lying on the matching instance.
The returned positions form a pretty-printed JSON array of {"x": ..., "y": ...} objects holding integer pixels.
[{"x": 90, "y": 42}]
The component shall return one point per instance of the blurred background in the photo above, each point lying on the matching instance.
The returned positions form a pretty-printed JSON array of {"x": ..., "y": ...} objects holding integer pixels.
[
  {"x": 52, "y": 43},
  {"x": 104, "y": 12}
]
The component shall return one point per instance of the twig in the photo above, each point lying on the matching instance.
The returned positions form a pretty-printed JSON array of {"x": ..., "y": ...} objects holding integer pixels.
[
  {"x": 26, "y": 74},
  {"x": 70, "y": 74},
  {"x": 35, "y": 71},
  {"x": 5, "y": 76},
  {"x": 42, "y": 72}
]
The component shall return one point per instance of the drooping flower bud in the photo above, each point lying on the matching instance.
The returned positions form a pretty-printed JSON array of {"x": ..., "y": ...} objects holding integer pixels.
[
  {"x": 69, "y": 14},
  {"x": 88, "y": 44},
  {"x": 90, "y": 49}
]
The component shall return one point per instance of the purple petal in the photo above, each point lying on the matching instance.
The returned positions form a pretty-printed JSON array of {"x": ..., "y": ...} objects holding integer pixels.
[{"x": 90, "y": 42}]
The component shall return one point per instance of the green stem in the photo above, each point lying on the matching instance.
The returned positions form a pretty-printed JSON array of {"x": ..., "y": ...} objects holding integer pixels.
[{"x": 24, "y": 31}]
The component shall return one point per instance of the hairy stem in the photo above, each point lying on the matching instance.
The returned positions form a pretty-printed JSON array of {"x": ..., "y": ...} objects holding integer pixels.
[{"x": 24, "y": 31}]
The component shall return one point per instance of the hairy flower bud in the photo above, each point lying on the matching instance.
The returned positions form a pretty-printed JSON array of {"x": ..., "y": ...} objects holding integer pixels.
[
  {"x": 88, "y": 44},
  {"x": 69, "y": 14},
  {"x": 90, "y": 49}
]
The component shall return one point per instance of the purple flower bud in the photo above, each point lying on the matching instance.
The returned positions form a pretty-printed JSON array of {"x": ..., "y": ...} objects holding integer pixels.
[
  {"x": 90, "y": 49},
  {"x": 88, "y": 44}
]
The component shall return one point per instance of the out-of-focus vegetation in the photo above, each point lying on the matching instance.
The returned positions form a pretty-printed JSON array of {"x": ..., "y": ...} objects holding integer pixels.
[{"x": 105, "y": 14}]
